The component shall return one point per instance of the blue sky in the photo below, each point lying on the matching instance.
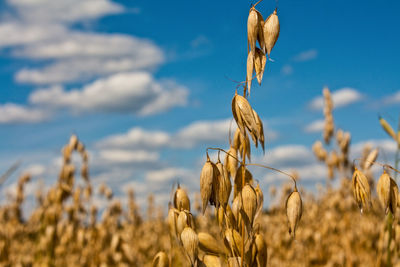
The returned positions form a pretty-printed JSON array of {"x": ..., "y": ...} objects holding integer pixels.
[{"x": 147, "y": 85}]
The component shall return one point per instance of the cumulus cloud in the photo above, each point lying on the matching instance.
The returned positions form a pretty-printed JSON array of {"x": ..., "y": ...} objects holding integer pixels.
[
  {"x": 13, "y": 113},
  {"x": 392, "y": 99},
  {"x": 287, "y": 69},
  {"x": 133, "y": 92},
  {"x": 137, "y": 138},
  {"x": 114, "y": 156},
  {"x": 203, "y": 132},
  {"x": 42, "y": 30},
  {"x": 64, "y": 11},
  {"x": 341, "y": 98},
  {"x": 293, "y": 155},
  {"x": 315, "y": 126},
  {"x": 168, "y": 175},
  {"x": 81, "y": 56},
  {"x": 387, "y": 147},
  {"x": 306, "y": 55}
]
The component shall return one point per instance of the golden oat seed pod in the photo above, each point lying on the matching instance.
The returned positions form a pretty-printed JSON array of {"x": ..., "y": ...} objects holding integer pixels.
[
  {"x": 190, "y": 243},
  {"x": 245, "y": 146},
  {"x": 237, "y": 186},
  {"x": 383, "y": 190},
  {"x": 249, "y": 198},
  {"x": 210, "y": 245},
  {"x": 372, "y": 156},
  {"x": 212, "y": 261},
  {"x": 260, "y": 130},
  {"x": 181, "y": 199},
  {"x": 388, "y": 129},
  {"x": 260, "y": 200},
  {"x": 394, "y": 196},
  {"x": 294, "y": 210},
  {"x": 361, "y": 189},
  {"x": 206, "y": 183},
  {"x": 259, "y": 64},
  {"x": 233, "y": 241},
  {"x": 244, "y": 116},
  {"x": 271, "y": 31},
  {"x": 225, "y": 186},
  {"x": 261, "y": 248},
  {"x": 172, "y": 221},
  {"x": 250, "y": 69},
  {"x": 252, "y": 28},
  {"x": 231, "y": 162}
]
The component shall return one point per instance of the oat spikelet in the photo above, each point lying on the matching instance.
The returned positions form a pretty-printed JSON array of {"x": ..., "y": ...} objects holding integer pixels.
[
  {"x": 372, "y": 156},
  {"x": 387, "y": 192},
  {"x": 190, "y": 243},
  {"x": 250, "y": 69},
  {"x": 271, "y": 31},
  {"x": 209, "y": 244},
  {"x": 361, "y": 189},
  {"x": 161, "y": 260},
  {"x": 245, "y": 146},
  {"x": 244, "y": 116},
  {"x": 294, "y": 211},
  {"x": 225, "y": 185},
  {"x": 236, "y": 207},
  {"x": 259, "y": 64},
  {"x": 260, "y": 200},
  {"x": 249, "y": 197},
  {"x": 212, "y": 261},
  {"x": 206, "y": 183},
  {"x": 388, "y": 129},
  {"x": 172, "y": 221},
  {"x": 237, "y": 186},
  {"x": 261, "y": 248},
  {"x": 260, "y": 130},
  {"x": 181, "y": 199},
  {"x": 234, "y": 241},
  {"x": 236, "y": 139},
  {"x": 231, "y": 162},
  {"x": 260, "y": 32},
  {"x": 252, "y": 28}
]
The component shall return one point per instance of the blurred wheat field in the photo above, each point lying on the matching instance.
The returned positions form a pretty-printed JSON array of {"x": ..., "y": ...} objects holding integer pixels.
[{"x": 332, "y": 233}]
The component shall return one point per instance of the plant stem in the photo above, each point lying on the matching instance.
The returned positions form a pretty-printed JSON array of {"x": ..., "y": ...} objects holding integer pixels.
[
  {"x": 389, "y": 225},
  {"x": 243, "y": 181}
]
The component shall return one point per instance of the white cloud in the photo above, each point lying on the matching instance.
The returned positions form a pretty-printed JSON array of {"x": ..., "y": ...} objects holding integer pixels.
[
  {"x": 392, "y": 99},
  {"x": 203, "y": 132},
  {"x": 13, "y": 113},
  {"x": 385, "y": 146},
  {"x": 18, "y": 33},
  {"x": 115, "y": 156},
  {"x": 81, "y": 56},
  {"x": 64, "y": 11},
  {"x": 306, "y": 55},
  {"x": 199, "y": 41},
  {"x": 35, "y": 170},
  {"x": 168, "y": 175},
  {"x": 311, "y": 172},
  {"x": 315, "y": 126},
  {"x": 41, "y": 30},
  {"x": 287, "y": 69},
  {"x": 342, "y": 97},
  {"x": 136, "y": 138},
  {"x": 133, "y": 92},
  {"x": 288, "y": 155}
]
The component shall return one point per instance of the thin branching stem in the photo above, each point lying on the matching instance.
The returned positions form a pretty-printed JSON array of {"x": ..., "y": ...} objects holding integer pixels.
[
  {"x": 380, "y": 164},
  {"x": 260, "y": 165}
]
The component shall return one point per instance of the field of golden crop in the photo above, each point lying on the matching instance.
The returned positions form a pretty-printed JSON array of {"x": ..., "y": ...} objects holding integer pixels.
[{"x": 226, "y": 223}]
